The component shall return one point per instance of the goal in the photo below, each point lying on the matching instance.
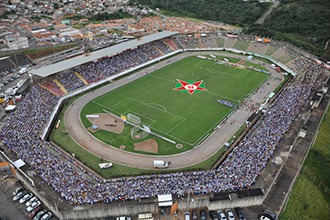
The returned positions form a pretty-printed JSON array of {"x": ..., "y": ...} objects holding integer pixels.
[{"x": 133, "y": 118}]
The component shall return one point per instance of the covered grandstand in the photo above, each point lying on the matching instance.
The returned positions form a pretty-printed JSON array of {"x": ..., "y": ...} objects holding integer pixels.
[{"x": 93, "y": 56}]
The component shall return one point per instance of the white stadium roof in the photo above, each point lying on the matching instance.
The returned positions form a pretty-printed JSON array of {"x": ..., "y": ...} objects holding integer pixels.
[{"x": 109, "y": 51}]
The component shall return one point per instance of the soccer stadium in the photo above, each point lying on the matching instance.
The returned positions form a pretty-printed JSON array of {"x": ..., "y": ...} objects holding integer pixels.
[{"x": 215, "y": 109}]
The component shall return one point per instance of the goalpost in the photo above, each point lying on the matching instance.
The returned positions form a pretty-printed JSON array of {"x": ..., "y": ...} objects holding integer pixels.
[{"x": 133, "y": 119}]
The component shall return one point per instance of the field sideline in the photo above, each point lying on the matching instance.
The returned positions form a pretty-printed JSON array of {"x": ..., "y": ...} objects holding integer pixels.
[{"x": 182, "y": 117}]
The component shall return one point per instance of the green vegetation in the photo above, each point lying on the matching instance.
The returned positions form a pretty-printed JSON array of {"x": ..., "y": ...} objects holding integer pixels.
[
  {"x": 178, "y": 116},
  {"x": 230, "y": 59},
  {"x": 285, "y": 58},
  {"x": 305, "y": 23},
  {"x": 241, "y": 45},
  {"x": 310, "y": 198},
  {"x": 61, "y": 137},
  {"x": 5, "y": 14},
  {"x": 271, "y": 49},
  {"x": 75, "y": 17},
  {"x": 234, "y": 12},
  {"x": 106, "y": 16}
]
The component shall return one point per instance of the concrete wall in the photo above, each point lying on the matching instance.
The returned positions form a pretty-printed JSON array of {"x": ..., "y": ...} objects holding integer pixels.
[
  {"x": 107, "y": 210},
  {"x": 197, "y": 202}
]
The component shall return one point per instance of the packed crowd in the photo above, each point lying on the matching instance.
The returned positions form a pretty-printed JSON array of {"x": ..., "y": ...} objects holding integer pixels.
[
  {"x": 239, "y": 170},
  {"x": 21, "y": 134},
  {"x": 226, "y": 103},
  {"x": 107, "y": 66}
]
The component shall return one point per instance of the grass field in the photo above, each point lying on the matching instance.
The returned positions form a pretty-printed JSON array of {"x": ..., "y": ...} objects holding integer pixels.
[
  {"x": 61, "y": 137},
  {"x": 310, "y": 198},
  {"x": 179, "y": 116}
]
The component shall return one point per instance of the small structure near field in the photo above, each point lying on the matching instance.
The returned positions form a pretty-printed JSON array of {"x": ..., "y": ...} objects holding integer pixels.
[{"x": 105, "y": 165}]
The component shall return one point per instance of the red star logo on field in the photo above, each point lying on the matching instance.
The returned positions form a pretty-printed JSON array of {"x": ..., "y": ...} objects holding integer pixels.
[{"x": 191, "y": 88}]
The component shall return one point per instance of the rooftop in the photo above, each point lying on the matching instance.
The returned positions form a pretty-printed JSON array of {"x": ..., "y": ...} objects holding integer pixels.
[{"x": 109, "y": 51}]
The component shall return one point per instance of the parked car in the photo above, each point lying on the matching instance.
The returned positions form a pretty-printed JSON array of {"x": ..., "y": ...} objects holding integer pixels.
[
  {"x": 19, "y": 195},
  {"x": 48, "y": 216},
  {"x": 28, "y": 203},
  {"x": 17, "y": 190},
  {"x": 230, "y": 214},
  {"x": 240, "y": 214},
  {"x": 26, "y": 197},
  {"x": 186, "y": 216},
  {"x": 268, "y": 215},
  {"x": 34, "y": 205},
  {"x": 194, "y": 215},
  {"x": 202, "y": 214},
  {"x": 39, "y": 214},
  {"x": 34, "y": 212},
  {"x": 214, "y": 215},
  {"x": 222, "y": 215}
]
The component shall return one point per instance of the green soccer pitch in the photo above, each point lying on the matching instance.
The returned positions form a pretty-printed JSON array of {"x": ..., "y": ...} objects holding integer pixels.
[{"x": 182, "y": 117}]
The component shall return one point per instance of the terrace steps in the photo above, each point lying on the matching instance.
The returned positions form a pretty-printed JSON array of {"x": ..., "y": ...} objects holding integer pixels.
[
  {"x": 48, "y": 89},
  {"x": 61, "y": 86},
  {"x": 161, "y": 52},
  {"x": 81, "y": 78}
]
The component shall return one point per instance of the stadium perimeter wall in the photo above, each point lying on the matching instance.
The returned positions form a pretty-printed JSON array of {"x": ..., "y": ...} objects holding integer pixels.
[{"x": 110, "y": 210}]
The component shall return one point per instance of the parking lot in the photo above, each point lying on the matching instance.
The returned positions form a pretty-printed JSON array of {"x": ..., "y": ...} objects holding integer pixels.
[
  {"x": 8, "y": 208},
  {"x": 16, "y": 210}
]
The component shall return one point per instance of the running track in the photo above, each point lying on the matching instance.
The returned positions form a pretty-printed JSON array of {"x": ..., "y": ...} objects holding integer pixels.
[{"x": 198, "y": 154}]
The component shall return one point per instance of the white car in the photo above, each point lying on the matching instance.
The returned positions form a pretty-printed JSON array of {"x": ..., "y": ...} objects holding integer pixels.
[
  {"x": 34, "y": 205},
  {"x": 230, "y": 214},
  {"x": 25, "y": 198},
  {"x": 17, "y": 190},
  {"x": 39, "y": 214},
  {"x": 47, "y": 216},
  {"x": 18, "y": 196},
  {"x": 28, "y": 203},
  {"x": 222, "y": 215}
]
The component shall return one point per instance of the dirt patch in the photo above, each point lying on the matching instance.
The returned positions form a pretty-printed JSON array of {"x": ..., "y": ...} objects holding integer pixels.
[
  {"x": 241, "y": 62},
  {"x": 108, "y": 122},
  {"x": 150, "y": 146}
]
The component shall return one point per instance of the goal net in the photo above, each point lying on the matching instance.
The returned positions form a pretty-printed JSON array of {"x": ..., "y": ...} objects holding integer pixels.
[{"x": 134, "y": 119}]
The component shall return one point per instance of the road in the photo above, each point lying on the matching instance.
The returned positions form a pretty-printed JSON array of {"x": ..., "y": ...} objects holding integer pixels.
[{"x": 261, "y": 20}]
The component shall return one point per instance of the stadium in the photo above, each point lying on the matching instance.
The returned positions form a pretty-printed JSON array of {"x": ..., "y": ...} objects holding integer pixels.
[{"x": 136, "y": 86}]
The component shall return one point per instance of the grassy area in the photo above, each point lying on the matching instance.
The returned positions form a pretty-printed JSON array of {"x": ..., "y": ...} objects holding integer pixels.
[
  {"x": 271, "y": 49},
  {"x": 220, "y": 42},
  {"x": 241, "y": 45},
  {"x": 61, "y": 137},
  {"x": 230, "y": 59},
  {"x": 306, "y": 202},
  {"x": 310, "y": 198},
  {"x": 181, "y": 117},
  {"x": 285, "y": 58}
]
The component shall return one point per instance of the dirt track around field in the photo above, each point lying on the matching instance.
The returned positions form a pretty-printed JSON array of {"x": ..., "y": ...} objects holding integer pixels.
[{"x": 198, "y": 154}]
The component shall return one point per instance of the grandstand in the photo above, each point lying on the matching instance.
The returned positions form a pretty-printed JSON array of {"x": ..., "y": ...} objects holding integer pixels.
[
  {"x": 78, "y": 186},
  {"x": 92, "y": 57}
]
